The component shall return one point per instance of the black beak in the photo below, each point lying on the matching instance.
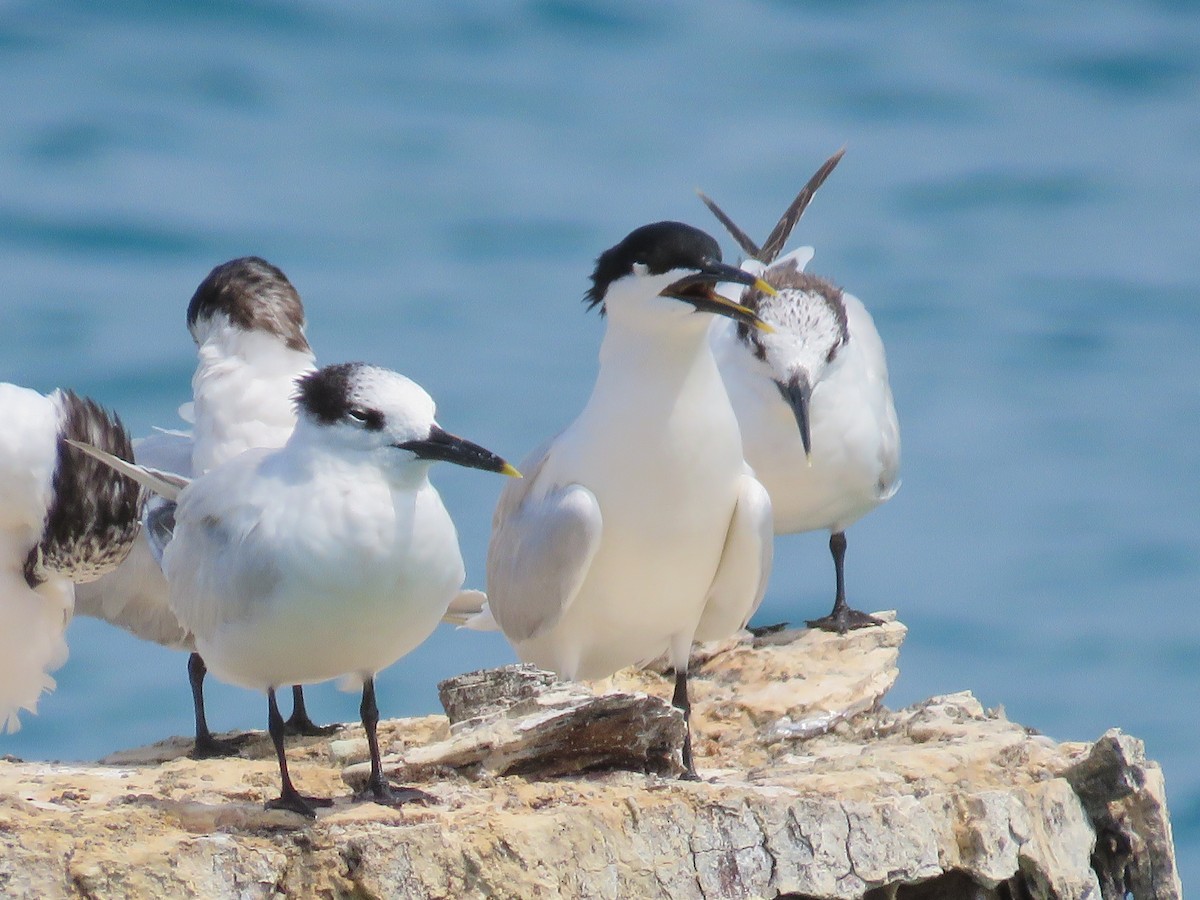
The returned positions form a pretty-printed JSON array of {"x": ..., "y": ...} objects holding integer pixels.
[
  {"x": 444, "y": 446},
  {"x": 697, "y": 289},
  {"x": 797, "y": 393}
]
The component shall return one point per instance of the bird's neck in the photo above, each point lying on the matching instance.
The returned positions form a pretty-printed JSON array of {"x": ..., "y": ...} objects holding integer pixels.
[
  {"x": 228, "y": 350},
  {"x": 311, "y": 451},
  {"x": 651, "y": 365}
]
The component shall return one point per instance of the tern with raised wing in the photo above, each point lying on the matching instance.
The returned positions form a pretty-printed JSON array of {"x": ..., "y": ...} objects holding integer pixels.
[{"x": 812, "y": 397}]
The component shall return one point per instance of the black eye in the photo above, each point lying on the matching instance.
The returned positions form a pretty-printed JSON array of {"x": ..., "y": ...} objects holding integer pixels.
[{"x": 370, "y": 419}]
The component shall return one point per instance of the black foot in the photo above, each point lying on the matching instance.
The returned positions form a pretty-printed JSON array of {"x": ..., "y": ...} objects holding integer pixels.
[
  {"x": 299, "y": 803},
  {"x": 843, "y": 620},
  {"x": 690, "y": 775},
  {"x": 303, "y": 725},
  {"x": 763, "y": 630},
  {"x": 216, "y": 748},
  {"x": 394, "y": 795}
]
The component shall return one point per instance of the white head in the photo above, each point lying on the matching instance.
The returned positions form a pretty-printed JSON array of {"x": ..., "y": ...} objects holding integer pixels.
[
  {"x": 808, "y": 318},
  {"x": 646, "y": 275},
  {"x": 360, "y": 408}
]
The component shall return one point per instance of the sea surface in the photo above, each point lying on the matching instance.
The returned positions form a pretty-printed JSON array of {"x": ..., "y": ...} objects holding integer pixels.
[{"x": 1019, "y": 207}]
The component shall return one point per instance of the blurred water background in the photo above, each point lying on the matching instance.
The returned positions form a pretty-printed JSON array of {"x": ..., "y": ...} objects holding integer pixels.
[{"x": 1018, "y": 206}]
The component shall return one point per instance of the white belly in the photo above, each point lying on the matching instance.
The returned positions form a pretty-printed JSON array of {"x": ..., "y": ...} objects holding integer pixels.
[
  {"x": 855, "y": 447},
  {"x": 666, "y": 506},
  {"x": 347, "y": 599}
]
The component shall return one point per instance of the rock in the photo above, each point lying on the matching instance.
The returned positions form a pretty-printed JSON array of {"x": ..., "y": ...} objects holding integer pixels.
[
  {"x": 812, "y": 789},
  {"x": 521, "y": 720},
  {"x": 1125, "y": 798}
]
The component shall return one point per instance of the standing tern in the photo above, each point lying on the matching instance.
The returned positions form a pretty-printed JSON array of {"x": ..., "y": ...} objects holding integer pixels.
[
  {"x": 64, "y": 519},
  {"x": 639, "y": 528},
  {"x": 330, "y": 557},
  {"x": 812, "y": 398},
  {"x": 247, "y": 321}
]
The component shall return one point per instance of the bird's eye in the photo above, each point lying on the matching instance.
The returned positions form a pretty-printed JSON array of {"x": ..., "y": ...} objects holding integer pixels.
[{"x": 370, "y": 419}]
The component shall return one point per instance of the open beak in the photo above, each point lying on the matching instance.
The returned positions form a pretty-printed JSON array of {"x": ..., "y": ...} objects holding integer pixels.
[
  {"x": 697, "y": 289},
  {"x": 444, "y": 446},
  {"x": 797, "y": 393}
]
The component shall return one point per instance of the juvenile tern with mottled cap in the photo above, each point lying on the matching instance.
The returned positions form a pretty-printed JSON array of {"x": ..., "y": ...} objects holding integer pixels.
[
  {"x": 64, "y": 519},
  {"x": 330, "y": 557},
  {"x": 639, "y": 528},
  {"x": 812, "y": 398},
  {"x": 247, "y": 321}
]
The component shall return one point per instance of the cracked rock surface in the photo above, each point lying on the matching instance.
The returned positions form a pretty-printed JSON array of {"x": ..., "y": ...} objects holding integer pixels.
[{"x": 812, "y": 788}]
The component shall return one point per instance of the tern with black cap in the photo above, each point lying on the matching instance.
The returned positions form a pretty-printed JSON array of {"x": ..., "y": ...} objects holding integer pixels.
[
  {"x": 247, "y": 321},
  {"x": 330, "y": 557},
  {"x": 639, "y": 528}
]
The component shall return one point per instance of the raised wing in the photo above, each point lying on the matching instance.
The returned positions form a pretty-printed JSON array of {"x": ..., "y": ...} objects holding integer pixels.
[
  {"x": 783, "y": 228},
  {"x": 543, "y": 542},
  {"x": 744, "y": 240}
]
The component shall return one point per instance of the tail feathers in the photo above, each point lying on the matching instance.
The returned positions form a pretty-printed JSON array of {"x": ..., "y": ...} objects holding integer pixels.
[
  {"x": 165, "y": 484},
  {"x": 32, "y": 644}
]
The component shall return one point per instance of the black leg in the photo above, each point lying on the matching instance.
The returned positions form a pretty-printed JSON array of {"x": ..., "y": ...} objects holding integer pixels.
[
  {"x": 843, "y": 618},
  {"x": 680, "y": 700},
  {"x": 378, "y": 788},
  {"x": 289, "y": 797},
  {"x": 300, "y": 723},
  {"x": 207, "y": 746}
]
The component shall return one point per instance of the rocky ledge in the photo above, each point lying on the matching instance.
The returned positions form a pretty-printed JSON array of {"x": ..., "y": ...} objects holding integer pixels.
[{"x": 810, "y": 788}]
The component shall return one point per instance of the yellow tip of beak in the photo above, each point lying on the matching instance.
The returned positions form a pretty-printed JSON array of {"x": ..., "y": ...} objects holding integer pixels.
[
  {"x": 763, "y": 326},
  {"x": 760, "y": 285},
  {"x": 510, "y": 471}
]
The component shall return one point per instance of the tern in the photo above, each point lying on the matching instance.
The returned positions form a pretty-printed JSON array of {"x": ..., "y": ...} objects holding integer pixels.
[
  {"x": 64, "y": 519},
  {"x": 331, "y": 557},
  {"x": 812, "y": 397},
  {"x": 247, "y": 322},
  {"x": 639, "y": 528}
]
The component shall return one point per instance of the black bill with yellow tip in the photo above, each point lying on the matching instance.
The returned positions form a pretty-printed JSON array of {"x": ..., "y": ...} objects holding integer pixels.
[
  {"x": 697, "y": 289},
  {"x": 797, "y": 393},
  {"x": 446, "y": 447}
]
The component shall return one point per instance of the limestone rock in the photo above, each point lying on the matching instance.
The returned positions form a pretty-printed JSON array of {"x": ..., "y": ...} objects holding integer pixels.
[
  {"x": 813, "y": 789},
  {"x": 522, "y": 720}
]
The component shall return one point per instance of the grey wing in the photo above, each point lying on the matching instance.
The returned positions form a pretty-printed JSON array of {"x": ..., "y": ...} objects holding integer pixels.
[
  {"x": 217, "y": 566},
  {"x": 741, "y": 579},
  {"x": 543, "y": 542},
  {"x": 879, "y": 398}
]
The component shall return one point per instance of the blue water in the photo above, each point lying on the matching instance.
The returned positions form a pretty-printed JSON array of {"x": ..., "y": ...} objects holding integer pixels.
[{"x": 1018, "y": 205}]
